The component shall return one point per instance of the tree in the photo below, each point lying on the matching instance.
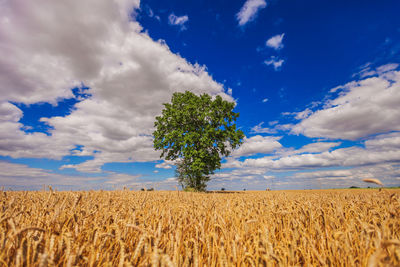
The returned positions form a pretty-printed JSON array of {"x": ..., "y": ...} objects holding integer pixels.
[{"x": 196, "y": 132}]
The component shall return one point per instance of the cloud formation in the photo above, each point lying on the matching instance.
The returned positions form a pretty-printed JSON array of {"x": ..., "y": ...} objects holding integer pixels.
[
  {"x": 320, "y": 155},
  {"x": 275, "y": 62},
  {"x": 319, "y": 164},
  {"x": 165, "y": 165},
  {"x": 260, "y": 129},
  {"x": 275, "y": 42},
  {"x": 362, "y": 108},
  {"x": 257, "y": 144},
  {"x": 178, "y": 20},
  {"x": 22, "y": 177},
  {"x": 367, "y": 71},
  {"x": 249, "y": 11},
  {"x": 99, "y": 44}
]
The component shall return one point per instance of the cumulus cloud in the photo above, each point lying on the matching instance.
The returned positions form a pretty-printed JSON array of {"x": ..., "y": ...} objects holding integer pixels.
[
  {"x": 99, "y": 44},
  {"x": 344, "y": 157},
  {"x": 178, "y": 20},
  {"x": 378, "y": 153},
  {"x": 385, "y": 141},
  {"x": 242, "y": 174},
  {"x": 257, "y": 144},
  {"x": 16, "y": 143},
  {"x": 362, "y": 108},
  {"x": 165, "y": 165},
  {"x": 275, "y": 42},
  {"x": 249, "y": 11},
  {"x": 9, "y": 112},
  {"x": 320, "y": 164},
  {"x": 261, "y": 178},
  {"x": 274, "y": 62},
  {"x": 366, "y": 109},
  {"x": 317, "y": 147}
]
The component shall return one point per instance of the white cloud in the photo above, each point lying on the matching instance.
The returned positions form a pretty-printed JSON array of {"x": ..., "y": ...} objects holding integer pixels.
[
  {"x": 19, "y": 176},
  {"x": 317, "y": 147},
  {"x": 363, "y": 108},
  {"x": 165, "y": 165},
  {"x": 275, "y": 62},
  {"x": 344, "y": 157},
  {"x": 303, "y": 114},
  {"x": 275, "y": 42},
  {"x": 299, "y": 115},
  {"x": 260, "y": 178},
  {"x": 22, "y": 177},
  {"x": 379, "y": 158},
  {"x": 385, "y": 141},
  {"x": 9, "y": 112},
  {"x": 231, "y": 163},
  {"x": 366, "y": 70},
  {"x": 151, "y": 13},
  {"x": 249, "y": 11},
  {"x": 350, "y": 177},
  {"x": 273, "y": 129},
  {"x": 16, "y": 143},
  {"x": 265, "y": 100},
  {"x": 239, "y": 175},
  {"x": 385, "y": 68},
  {"x": 128, "y": 73},
  {"x": 257, "y": 144},
  {"x": 267, "y": 177},
  {"x": 380, "y": 150},
  {"x": 324, "y": 174},
  {"x": 250, "y": 174},
  {"x": 178, "y": 20},
  {"x": 259, "y": 129}
]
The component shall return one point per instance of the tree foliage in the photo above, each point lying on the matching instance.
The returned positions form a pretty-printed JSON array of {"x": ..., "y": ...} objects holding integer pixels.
[{"x": 196, "y": 131}]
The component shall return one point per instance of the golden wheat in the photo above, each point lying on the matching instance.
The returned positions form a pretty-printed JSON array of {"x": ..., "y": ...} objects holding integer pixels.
[{"x": 126, "y": 228}]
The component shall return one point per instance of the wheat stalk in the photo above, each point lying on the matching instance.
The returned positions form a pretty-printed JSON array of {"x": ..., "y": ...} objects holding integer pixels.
[{"x": 123, "y": 228}]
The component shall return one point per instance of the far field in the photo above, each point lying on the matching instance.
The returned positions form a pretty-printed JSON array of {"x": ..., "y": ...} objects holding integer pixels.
[{"x": 274, "y": 228}]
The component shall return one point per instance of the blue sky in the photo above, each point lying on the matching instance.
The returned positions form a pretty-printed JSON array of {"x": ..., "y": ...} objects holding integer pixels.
[{"x": 317, "y": 85}]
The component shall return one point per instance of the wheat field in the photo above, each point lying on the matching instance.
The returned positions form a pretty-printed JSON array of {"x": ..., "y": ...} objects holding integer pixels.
[{"x": 162, "y": 228}]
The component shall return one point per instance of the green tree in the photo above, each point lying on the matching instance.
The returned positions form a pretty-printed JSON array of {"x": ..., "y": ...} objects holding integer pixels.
[{"x": 196, "y": 131}]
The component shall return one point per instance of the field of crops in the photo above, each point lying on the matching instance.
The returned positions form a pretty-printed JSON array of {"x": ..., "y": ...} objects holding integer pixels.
[{"x": 126, "y": 228}]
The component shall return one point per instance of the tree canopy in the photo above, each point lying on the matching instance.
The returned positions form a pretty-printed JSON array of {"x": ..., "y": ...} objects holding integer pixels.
[{"x": 196, "y": 131}]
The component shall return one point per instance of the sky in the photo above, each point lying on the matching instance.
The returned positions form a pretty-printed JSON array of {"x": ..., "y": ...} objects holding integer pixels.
[{"x": 316, "y": 83}]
